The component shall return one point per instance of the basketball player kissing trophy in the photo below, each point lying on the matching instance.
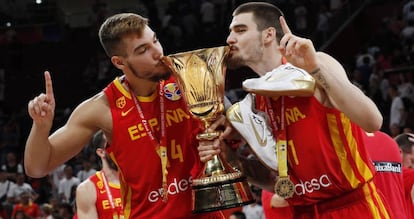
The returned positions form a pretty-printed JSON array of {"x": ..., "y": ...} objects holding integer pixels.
[{"x": 200, "y": 75}]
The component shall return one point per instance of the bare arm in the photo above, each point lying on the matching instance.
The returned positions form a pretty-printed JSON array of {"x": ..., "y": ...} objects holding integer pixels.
[
  {"x": 43, "y": 153},
  {"x": 85, "y": 201},
  {"x": 345, "y": 96},
  {"x": 333, "y": 86}
]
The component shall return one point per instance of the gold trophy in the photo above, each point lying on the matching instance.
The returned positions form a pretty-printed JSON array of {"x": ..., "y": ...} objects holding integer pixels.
[{"x": 200, "y": 75}]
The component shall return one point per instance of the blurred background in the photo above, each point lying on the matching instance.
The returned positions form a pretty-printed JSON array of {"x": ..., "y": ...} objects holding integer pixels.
[{"x": 373, "y": 39}]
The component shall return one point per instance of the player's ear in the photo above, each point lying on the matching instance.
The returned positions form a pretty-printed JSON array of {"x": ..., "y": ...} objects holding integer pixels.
[
  {"x": 269, "y": 34},
  {"x": 118, "y": 62},
  {"x": 100, "y": 152}
]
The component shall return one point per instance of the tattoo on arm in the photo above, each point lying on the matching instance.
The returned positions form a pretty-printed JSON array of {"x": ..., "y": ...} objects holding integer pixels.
[{"x": 319, "y": 77}]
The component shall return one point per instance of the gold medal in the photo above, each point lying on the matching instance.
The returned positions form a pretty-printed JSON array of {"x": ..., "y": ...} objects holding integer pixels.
[{"x": 284, "y": 187}]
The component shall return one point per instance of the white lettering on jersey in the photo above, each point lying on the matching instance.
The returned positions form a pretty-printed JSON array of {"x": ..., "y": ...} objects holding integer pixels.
[
  {"x": 312, "y": 185},
  {"x": 174, "y": 188}
]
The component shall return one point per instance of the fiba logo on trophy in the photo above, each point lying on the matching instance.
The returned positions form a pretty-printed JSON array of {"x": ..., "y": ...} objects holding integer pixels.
[{"x": 200, "y": 75}]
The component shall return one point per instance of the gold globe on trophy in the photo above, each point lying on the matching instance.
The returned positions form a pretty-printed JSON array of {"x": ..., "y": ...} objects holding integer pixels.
[{"x": 200, "y": 75}]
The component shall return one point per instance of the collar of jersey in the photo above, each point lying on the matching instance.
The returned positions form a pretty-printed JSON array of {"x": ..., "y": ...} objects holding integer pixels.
[{"x": 126, "y": 93}]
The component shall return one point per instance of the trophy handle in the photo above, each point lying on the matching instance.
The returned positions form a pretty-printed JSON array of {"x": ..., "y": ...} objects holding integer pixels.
[{"x": 209, "y": 136}]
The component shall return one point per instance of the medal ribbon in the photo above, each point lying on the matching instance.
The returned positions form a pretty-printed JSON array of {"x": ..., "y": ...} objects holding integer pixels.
[
  {"x": 281, "y": 145},
  {"x": 108, "y": 191},
  {"x": 160, "y": 145},
  {"x": 109, "y": 194}
]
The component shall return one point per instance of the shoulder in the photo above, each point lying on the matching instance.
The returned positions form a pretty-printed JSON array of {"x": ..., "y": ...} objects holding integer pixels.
[
  {"x": 94, "y": 109},
  {"x": 85, "y": 188},
  {"x": 85, "y": 195},
  {"x": 96, "y": 101}
]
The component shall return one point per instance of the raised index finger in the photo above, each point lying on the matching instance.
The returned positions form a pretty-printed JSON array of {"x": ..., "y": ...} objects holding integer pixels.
[
  {"x": 48, "y": 84},
  {"x": 284, "y": 25}
]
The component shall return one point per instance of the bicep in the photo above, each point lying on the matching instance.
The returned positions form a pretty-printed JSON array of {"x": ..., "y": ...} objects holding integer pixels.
[{"x": 69, "y": 140}]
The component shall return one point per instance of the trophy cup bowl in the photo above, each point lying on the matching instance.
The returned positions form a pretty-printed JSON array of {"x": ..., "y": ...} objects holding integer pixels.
[{"x": 200, "y": 75}]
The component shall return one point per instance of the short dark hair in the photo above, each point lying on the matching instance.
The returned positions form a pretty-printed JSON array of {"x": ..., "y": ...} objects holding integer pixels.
[
  {"x": 404, "y": 143},
  {"x": 98, "y": 141},
  {"x": 117, "y": 26},
  {"x": 239, "y": 214},
  {"x": 265, "y": 15}
]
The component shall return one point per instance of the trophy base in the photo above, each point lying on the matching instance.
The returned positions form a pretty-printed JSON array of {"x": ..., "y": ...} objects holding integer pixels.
[{"x": 220, "y": 192}]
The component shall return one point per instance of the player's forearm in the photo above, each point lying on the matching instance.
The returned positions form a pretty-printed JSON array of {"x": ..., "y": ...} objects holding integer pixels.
[
  {"x": 346, "y": 97},
  {"x": 37, "y": 153}
]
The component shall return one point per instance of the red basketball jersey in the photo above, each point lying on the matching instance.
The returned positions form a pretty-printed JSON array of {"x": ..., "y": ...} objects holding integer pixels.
[
  {"x": 135, "y": 153},
  {"x": 386, "y": 157},
  {"x": 327, "y": 157},
  {"x": 408, "y": 175},
  {"x": 108, "y": 205}
]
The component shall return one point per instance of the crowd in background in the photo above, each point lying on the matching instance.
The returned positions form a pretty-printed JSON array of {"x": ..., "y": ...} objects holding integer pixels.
[{"x": 383, "y": 69}]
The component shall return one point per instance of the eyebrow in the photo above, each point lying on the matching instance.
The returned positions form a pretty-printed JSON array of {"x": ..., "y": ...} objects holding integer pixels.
[
  {"x": 238, "y": 26},
  {"x": 145, "y": 44}
]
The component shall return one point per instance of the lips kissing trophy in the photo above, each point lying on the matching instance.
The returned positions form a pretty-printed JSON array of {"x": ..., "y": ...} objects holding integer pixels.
[{"x": 200, "y": 75}]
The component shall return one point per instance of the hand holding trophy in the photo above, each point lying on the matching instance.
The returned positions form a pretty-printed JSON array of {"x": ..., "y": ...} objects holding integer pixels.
[{"x": 201, "y": 75}]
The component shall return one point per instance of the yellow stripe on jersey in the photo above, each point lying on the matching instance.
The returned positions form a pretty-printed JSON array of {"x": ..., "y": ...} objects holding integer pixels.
[
  {"x": 377, "y": 211},
  {"x": 127, "y": 94},
  {"x": 362, "y": 167},
  {"x": 340, "y": 151},
  {"x": 293, "y": 151},
  {"x": 127, "y": 196},
  {"x": 121, "y": 88},
  {"x": 342, "y": 154}
]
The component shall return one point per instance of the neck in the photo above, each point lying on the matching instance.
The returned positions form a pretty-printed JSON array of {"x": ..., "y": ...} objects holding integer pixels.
[
  {"x": 111, "y": 174},
  {"x": 262, "y": 67},
  {"x": 142, "y": 88}
]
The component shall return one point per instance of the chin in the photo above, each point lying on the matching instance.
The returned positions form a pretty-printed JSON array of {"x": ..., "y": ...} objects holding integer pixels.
[
  {"x": 166, "y": 75},
  {"x": 234, "y": 63},
  {"x": 162, "y": 76}
]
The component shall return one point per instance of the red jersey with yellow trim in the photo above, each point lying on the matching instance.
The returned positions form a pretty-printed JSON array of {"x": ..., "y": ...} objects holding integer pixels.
[
  {"x": 326, "y": 153},
  {"x": 385, "y": 154},
  {"x": 135, "y": 153},
  {"x": 103, "y": 200},
  {"x": 408, "y": 175}
]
